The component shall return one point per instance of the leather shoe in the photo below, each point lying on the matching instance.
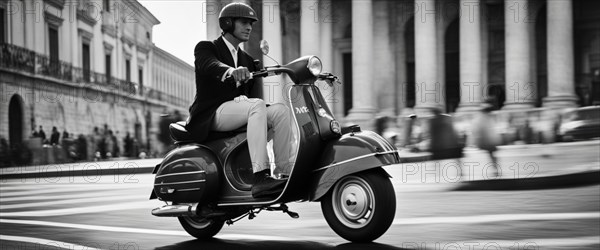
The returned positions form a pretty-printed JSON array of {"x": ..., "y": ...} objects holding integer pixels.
[{"x": 265, "y": 185}]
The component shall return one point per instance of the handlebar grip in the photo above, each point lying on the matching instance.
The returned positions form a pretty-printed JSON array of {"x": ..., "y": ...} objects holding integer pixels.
[{"x": 230, "y": 79}]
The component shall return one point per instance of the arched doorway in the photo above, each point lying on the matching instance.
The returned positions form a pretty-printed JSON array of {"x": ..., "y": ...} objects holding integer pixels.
[
  {"x": 587, "y": 51},
  {"x": 451, "y": 48},
  {"x": 15, "y": 120}
]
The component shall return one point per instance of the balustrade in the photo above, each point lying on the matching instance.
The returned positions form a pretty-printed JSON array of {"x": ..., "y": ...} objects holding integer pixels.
[{"x": 20, "y": 59}]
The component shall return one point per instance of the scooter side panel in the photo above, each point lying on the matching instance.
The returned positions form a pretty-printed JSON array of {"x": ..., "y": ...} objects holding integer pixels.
[
  {"x": 350, "y": 154},
  {"x": 182, "y": 168}
]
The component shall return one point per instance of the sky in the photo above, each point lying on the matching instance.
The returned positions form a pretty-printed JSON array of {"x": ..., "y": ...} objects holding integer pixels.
[{"x": 181, "y": 26}]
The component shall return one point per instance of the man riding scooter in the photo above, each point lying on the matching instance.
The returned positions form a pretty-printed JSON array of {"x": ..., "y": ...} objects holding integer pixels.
[{"x": 221, "y": 105}]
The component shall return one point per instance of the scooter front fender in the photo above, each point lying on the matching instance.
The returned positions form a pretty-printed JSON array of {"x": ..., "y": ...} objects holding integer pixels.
[{"x": 351, "y": 153}]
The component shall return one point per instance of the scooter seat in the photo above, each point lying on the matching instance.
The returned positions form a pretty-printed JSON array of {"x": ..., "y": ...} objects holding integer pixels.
[{"x": 180, "y": 134}]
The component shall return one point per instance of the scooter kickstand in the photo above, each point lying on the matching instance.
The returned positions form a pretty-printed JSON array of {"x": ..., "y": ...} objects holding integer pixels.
[{"x": 285, "y": 209}]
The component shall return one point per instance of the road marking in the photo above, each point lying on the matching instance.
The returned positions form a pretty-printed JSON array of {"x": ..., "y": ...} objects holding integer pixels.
[
  {"x": 475, "y": 219},
  {"x": 472, "y": 244},
  {"x": 93, "y": 227},
  {"x": 73, "y": 186},
  {"x": 540, "y": 243},
  {"x": 83, "y": 210},
  {"x": 71, "y": 201},
  {"x": 271, "y": 237},
  {"x": 73, "y": 189},
  {"x": 403, "y": 221},
  {"x": 39, "y": 242},
  {"x": 63, "y": 196}
]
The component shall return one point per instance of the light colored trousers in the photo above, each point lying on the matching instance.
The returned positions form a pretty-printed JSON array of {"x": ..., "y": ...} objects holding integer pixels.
[{"x": 259, "y": 118}]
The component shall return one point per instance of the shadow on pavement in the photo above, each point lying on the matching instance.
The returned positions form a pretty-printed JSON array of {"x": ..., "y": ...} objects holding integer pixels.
[
  {"x": 547, "y": 182},
  {"x": 271, "y": 244}
]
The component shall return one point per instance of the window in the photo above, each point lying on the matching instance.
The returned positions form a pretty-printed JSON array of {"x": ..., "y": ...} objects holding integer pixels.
[
  {"x": 127, "y": 70},
  {"x": 141, "y": 76},
  {"x": 141, "y": 79},
  {"x": 85, "y": 55},
  {"x": 53, "y": 40},
  {"x": 106, "y": 4},
  {"x": 53, "y": 67},
  {"x": 2, "y": 36},
  {"x": 107, "y": 67}
]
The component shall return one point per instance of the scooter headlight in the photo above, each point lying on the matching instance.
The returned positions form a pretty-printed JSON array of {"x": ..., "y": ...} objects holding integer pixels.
[
  {"x": 314, "y": 65},
  {"x": 335, "y": 127}
]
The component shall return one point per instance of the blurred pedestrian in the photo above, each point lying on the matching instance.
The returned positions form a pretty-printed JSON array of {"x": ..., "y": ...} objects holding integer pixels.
[
  {"x": 527, "y": 132},
  {"x": 98, "y": 143},
  {"x": 128, "y": 141},
  {"x": 408, "y": 130},
  {"x": 384, "y": 126},
  {"x": 110, "y": 144},
  {"x": 65, "y": 134},
  {"x": 484, "y": 135},
  {"x": 54, "y": 137},
  {"x": 445, "y": 142},
  {"x": 42, "y": 135},
  {"x": 117, "y": 144},
  {"x": 34, "y": 133},
  {"x": 5, "y": 157},
  {"x": 82, "y": 153}
]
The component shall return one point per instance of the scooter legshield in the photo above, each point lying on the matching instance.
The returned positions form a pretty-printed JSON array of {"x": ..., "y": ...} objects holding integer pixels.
[
  {"x": 351, "y": 153},
  {"x": 189, "y": 173}
]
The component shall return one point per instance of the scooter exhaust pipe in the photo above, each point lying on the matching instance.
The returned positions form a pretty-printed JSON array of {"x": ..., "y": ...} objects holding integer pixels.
[{"x": 175, "y": 210}]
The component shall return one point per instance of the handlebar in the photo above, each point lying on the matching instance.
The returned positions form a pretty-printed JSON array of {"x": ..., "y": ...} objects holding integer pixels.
[
  {"x": 328, "y": 77},
  {"x": 260, "y": 73}
]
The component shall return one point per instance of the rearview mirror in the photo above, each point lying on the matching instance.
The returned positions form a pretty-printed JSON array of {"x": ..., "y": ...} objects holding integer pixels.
[{"x": 264, "y": 47}]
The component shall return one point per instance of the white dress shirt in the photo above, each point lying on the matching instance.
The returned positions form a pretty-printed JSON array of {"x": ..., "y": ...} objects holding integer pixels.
[{"x": 234, "y": 54}]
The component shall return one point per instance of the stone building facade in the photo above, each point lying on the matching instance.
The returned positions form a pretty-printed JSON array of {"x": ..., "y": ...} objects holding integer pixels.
[
  {"x": 404, "y": 56},
  {"x": 80, "y": 65}
]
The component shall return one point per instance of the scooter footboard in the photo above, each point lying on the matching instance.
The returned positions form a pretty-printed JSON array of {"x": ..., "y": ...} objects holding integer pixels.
[{"x": 352, "y": 153}]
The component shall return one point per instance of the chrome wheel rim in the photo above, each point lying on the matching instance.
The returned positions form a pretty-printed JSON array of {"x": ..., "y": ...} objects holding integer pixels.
[{"x": 353, "y": 202}]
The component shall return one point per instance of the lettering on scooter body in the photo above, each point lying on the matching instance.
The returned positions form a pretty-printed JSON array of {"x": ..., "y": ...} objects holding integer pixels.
[{"x": 301, "y": 110}]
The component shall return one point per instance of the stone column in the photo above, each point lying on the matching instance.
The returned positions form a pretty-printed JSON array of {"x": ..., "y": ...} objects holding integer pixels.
[
  {"x": 520, "y": 89},
  {"x": 561, "y": 71},
  {"x": 273, "y": 90},
  {"x": 309, "y": 28},
  {"x": 428, "y": 89},
  {"x": 471, "y": 63},
  {"x": 212, "y": 8},
  {"x": 363, "y": 109},
  {"x": 383, "y": 51},
  {"x": 331, "y": 94}
]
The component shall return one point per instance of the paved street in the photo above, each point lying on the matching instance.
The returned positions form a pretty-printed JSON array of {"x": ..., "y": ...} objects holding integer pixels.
[{"x": 112, "y": 211}]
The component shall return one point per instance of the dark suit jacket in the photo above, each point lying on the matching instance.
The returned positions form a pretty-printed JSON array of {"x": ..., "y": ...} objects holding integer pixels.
[{"x": 213, "y": 59}]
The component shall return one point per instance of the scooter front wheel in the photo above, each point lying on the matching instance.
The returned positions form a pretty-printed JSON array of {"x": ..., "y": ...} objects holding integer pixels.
[
  {"x": 201, "y": 228},
  {"x": 360, "y": 207}
]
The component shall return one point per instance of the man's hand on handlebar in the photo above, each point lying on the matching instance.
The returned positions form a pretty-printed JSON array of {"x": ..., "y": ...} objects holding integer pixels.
[{"x": 241, "y": 74}]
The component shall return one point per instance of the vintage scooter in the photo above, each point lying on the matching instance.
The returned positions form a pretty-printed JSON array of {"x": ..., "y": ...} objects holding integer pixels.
[{"x": 209, "y": 184}]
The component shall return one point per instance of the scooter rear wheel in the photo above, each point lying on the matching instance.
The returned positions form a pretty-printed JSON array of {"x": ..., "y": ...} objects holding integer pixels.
[
  {"x": 201, "y": 228},
  {"x": 360, "y": 207}
]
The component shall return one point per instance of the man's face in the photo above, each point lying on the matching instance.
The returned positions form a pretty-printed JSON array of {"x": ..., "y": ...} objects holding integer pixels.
[{"x": 243, "y": 28}]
